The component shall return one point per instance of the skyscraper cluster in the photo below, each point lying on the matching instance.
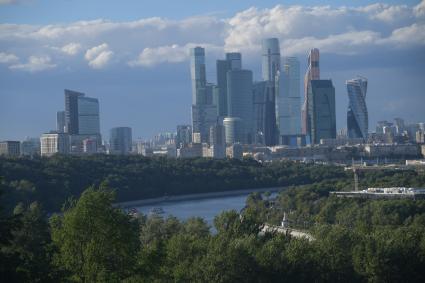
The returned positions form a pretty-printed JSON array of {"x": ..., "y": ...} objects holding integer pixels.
[{"x": 267, "y": 112}]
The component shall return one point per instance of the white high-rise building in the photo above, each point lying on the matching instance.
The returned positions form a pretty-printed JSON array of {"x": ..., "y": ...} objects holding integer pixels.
[{"x": 54, "y": 142}]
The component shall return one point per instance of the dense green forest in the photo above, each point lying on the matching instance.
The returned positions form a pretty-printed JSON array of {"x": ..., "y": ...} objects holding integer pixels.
[
  {"x": 51, "y": 181},
  {"x": 91, "y": 241}
]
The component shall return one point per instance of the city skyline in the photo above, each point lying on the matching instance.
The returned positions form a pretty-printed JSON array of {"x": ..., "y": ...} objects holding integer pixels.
[{"x": 134, "y": 89}]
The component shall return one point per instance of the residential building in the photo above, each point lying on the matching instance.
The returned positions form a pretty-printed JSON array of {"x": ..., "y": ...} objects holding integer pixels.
[
  {"x": 54, "y": 143},
  {"x": 10, "y": 148}
]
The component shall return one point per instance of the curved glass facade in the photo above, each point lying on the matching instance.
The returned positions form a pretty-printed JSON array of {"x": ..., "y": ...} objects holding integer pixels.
[{"x": 357, "y": 115}]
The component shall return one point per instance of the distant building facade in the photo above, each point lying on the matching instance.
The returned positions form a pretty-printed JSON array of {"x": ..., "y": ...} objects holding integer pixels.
[
  {"x": 30, "y": 147},
  {"x": 60, "y": 121},
  {"x": 120, "y": 140},
  {"x": 53, "y": 143},
  {"x": 10, "y": 148}
]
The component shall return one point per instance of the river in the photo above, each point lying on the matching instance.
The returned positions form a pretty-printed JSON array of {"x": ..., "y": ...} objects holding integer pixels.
[{"x": 204, "y": 207}]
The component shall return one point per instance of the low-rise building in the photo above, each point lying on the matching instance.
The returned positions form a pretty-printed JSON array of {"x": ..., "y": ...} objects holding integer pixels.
[
  {"x": 10, "y": 148},
  {"x": 392, "y": 150},
  {"x": 190, "y": 151}
]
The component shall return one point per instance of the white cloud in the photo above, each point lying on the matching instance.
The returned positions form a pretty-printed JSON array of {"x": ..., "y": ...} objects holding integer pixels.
[
  {"x": 99, "y": 56},
  {"x": 152, "y": 41},
  {"x": 71, "y": 48},
  {"x": 419, "y": 9},
  {"x": 35, "y": 64},
  {"x": 152, "y": 56},
  {"x": 8, "y": 57}
]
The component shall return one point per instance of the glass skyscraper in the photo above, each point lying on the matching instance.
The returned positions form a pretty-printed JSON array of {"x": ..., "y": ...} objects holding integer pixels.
[
  {"x": 270, "y": 69},
  {"x": 357, "y": 115},
  {"x": 88, "y": 116},
  {"x": 239, "y": 99},
  {"x": 233, "y": 61},
  {"x": 313, "y": 73},
  {"x": 288, "y": 98},
  {"x": 321, "y": 110},
  {"x": 271, "y": 58},
  {"x": 71, "y": 111},
  {"x": 198, "y": 75},
  {"x": 204, "y": 112}
]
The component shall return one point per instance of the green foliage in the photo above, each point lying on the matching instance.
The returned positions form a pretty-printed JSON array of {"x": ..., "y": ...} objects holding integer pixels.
[
  {"x": 51, "y": 181},
  {"x": 96, "y": 241}
]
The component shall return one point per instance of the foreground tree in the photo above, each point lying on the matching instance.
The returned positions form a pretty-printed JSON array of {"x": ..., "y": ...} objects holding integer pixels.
[{"x": 96, "y": 242}]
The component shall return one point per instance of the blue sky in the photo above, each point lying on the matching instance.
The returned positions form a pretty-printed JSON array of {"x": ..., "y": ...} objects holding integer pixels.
[{"x": 132, "y": 55}]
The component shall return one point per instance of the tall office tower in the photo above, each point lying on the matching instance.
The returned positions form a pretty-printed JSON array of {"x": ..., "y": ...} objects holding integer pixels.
[
  {"x": 239, "y": 99},
  {"x": 53, "y": 142},
  {"x": 264, "y": 115},
  {"x": 71, "y": 111},
  {"x": 313, "y": 73},
  {"x": 259, "y": 93},
  {"x": 204, "y": 112},
  {"x": 198, "y": 75},
  {"x": 184, "y": 135},
  {"x": 288, "y": 101},
  {"x": 357, "y": 116},
  {"x": 88, "y": 116},
  {"x": 60, "y": 121},
  {"x": 223, "y": 66},
  {"x": 120, "y": 140},
  {"x": 10, "y": 148},
  {"x": 270, "y": 68},
  {"x": 217, "y": 141},
  {"x": 321, "y": 110},
  {"x": 271, "y": 58},
  {"x": 235, "y": 60}
]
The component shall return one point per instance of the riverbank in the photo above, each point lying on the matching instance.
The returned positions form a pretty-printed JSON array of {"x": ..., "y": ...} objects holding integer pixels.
[{"x": 135, "y": 203}]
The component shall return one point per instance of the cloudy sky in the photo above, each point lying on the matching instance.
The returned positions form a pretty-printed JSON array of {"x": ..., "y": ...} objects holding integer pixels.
[{"x": 133, "y": 55}]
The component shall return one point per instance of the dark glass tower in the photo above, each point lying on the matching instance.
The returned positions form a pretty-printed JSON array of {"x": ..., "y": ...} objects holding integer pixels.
[
  {"x": 321, "y": 110},
  {"x": 71, "y": 111}
]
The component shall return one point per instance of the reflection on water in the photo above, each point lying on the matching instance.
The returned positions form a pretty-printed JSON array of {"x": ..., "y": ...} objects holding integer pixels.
[{"x": 206, "y": 208}]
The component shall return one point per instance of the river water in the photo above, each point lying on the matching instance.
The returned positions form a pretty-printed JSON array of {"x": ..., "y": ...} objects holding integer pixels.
[{"x": 206, "y": 208}]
